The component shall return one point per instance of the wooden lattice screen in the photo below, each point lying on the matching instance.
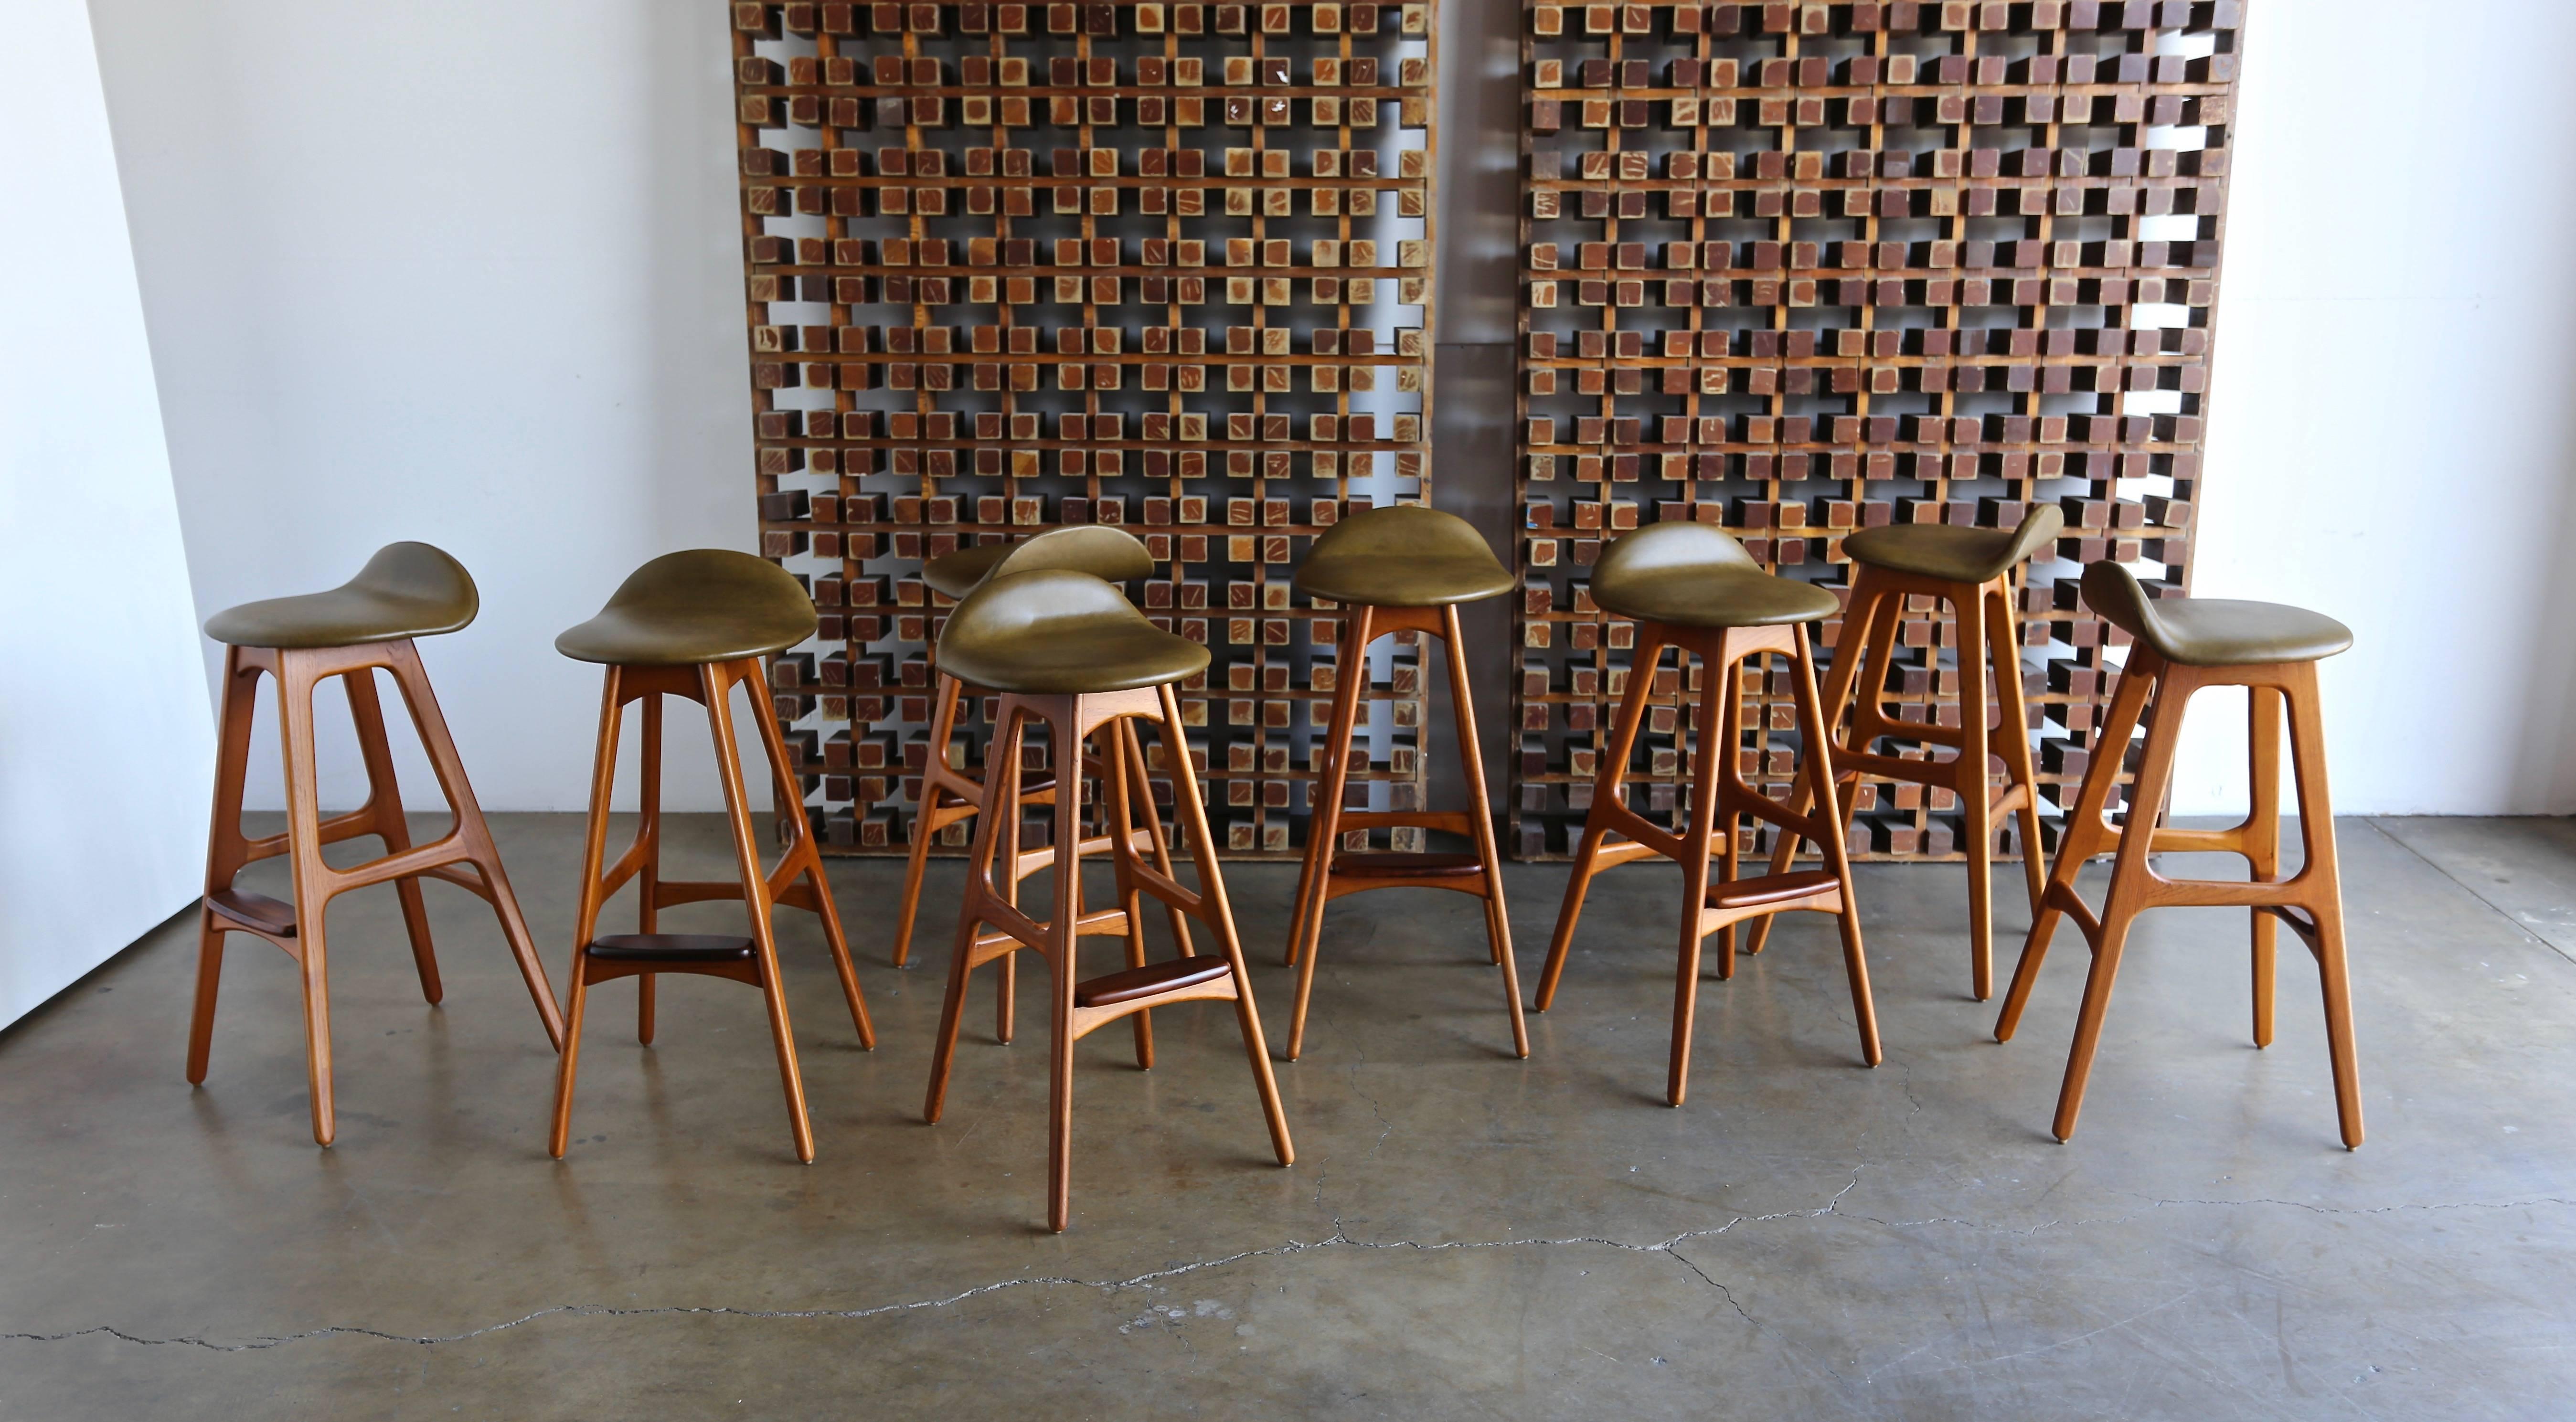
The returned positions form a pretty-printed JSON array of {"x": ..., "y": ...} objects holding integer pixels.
[
  {"x": 1162, "y": 266},
  {"x": 1806, "y": 268}
]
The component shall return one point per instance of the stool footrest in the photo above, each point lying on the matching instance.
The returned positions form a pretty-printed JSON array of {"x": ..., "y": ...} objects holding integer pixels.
[
  {"x": 1379, "y": 864},
  {"x": 1771, "y": 889},
  {"x": 678, "y": 949},
  {"x": 256, "y": 911},
  {"x": 1150, "y": 980}
]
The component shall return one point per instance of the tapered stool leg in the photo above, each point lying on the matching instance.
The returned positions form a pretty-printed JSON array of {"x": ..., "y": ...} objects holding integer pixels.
[
  {"x": 225, "y": 852},
  {"x": 2324, "y": 896},
  {"x": 1714, "y": 761},
  {"x": 2004, "y": 639},
  {"x": 2262, "y": 842},
  {"x": 927, "y": 819},
  {"x": 1324, "y": 826},
  {"x": 1608, "y": 788},
  {"x": 1498, "y": 924},
  {"x": 648, "y": 889},
  {"x": 717, "y": 680},
  {"x": 384, "y": 800}
]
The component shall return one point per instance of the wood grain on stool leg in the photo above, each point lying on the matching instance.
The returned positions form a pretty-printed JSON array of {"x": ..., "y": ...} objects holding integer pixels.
[
  {"x": 295, "y": 683},
  {"x": 2082, "y": 834},
  {"x": 2004, "y": 639},
  {"x": 1695, "y": 847},
  {"x": 594, "y": 855},
  {"x": 1835, "y": 843},
  {"x": 1324, "y": 826},
  {"x": 1218, "y": 913},
  {"x": 1726, "y": 684},
  {"x": 1121, "y": 829},
  {"x": 2262, "y": 841},
  {"x": 2130, "y": 883},
  {"x": 1976, "y": 793},
  {"x": 1001, "y": 786},
  {"x": 1064, "y": 915},
  {"x": 1143, "y": 793},
  {"x": 1868, "y": 641},
  {"x": 943, "y": 729},
  {"x": 2324, "y": 894},
  {"x": 384, "y": 801},
  {"x": 649, "y": 835},
  {"x": 717, "y": 680},
  {"x": 1606, "y": 789},
  {"x": 801, "y": 861},
  {"x": 1498, "y": 925},
  {"x": 226, "y": 850}
]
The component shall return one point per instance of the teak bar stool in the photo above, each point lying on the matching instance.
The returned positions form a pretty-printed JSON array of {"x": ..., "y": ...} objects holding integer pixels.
[
  {"x": 1405, "y": 568},
  {"x": 1971, "y": 570},
  {"x": 1691, "y": 588},
  {"x": 407, "y": 590},
  {"x": 949, "y": 795},
  {"x": 1067, "y": 650},
  {"x": 695, "y": 625},
  {"x": 2182, "y": 646}
]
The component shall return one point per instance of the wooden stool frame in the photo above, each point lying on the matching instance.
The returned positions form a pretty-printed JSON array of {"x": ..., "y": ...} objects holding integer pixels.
[
  {"x": 1330, "y": 873},
  {"x": 1989, "y": 639},
  {"x": 1719, "y": 796},
  {"x": 298, "y": 927},
  {"x": 798, "y": 880},
  {"x": 1080, "y": 1008},
  {"x": 949, "y": 795},
  {"x": 2311, "y": 901}
]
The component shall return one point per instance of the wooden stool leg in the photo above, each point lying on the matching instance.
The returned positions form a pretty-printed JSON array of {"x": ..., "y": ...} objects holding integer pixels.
[
  {"x": 2324, "y": 900},
  {"x": 803, "y": 861},
  {"x": 295, "y": 684},
  {"x": 403, "y": 660},
  {"x": 225, "y": 849},
  {"x": 1868, "y": 639},
  {"x": 717, "y": 682},
  {"x": 1218, "y": 914},
  {"x": 1728, "y": 684},
  {"x": 2129, "y": 884},
  {"x": 1324, "y": 824},
  {"x": 384, "y": 798},
  {"x": 943, "y": 729},
  {"x": 1596, "y": 825},
  {"x": 2262, "y": 841},
  {"x": 1498, "y": 924},
  {"x": 1121, "y": 829},
  {"x": 2081, "y": 835},
  {"x": 1836, "y": 843},
  {"x": 1063, "y": 917},
  {"x": 648, "y": 880},
  {"x": 1975, "y": 789},
  {"x": 594, "y": 858},
  {"x": 1001, "y": 787},
  {"x": 2003, "y": 638},
  {"x": 1143, "y": 790},
  {"x": 1006, "y": 973},
  {"x": 1705, "y": 775}
]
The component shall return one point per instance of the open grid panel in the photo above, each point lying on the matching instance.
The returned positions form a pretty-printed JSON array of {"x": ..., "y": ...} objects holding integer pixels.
[
  {"x": 1799, "y": 269},
  {"x": 1162, "y": 266}
]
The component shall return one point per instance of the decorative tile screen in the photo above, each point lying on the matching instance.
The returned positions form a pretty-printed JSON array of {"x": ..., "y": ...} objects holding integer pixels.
[
  {"x": 1011, "y": 266},
  {"x": 1800, "y": 269}
]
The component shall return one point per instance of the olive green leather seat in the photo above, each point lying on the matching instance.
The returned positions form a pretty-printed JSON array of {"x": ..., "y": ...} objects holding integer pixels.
[
  {"x": 1692, "y": 575},
  {"x": 1056, "y": 631},
  {"x": 1404, "y": 555},
  {"x": 1954, "y": 555},
  {"x": 2212, "y": 632},
  {"x": 694, "y": 607},
  {"x": 1110, "y": 554},
  {"x": 406, "y": 590}
]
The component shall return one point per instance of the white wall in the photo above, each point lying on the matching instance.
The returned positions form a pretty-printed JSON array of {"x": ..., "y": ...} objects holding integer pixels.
[
  {"x": 106, "y": 742},
  {"x": 2391, "y": 438},
  {"x": 467, "y": 273}
]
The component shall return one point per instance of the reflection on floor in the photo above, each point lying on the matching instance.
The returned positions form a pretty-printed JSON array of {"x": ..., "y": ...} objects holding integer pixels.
[{"x": 1463, "y": 1234}]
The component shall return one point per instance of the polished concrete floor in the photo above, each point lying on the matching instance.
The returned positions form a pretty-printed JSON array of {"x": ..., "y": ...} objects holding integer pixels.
[{"x": 1463, "y": 1235}]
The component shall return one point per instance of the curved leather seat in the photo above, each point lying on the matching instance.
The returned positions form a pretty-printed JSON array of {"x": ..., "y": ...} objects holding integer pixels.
[
  {"x": 1954, "y": 555},
  {"x": 1056, "y": 631},
  {"x": 1692, "y": 575},
  {"x": 1404, "y": 555},
  {"x": 693, "y": 607},
  {"x": 1112, "y": 555},
  {"x": 406, "y": 590},
  {"x": 2212, "y": 632}
]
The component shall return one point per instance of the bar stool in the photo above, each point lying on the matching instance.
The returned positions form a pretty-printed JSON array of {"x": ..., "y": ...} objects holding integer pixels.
[
  {"x": 1068, "y": 651},
  {"x": 2184, "y": 645},
  {"x": 694, "y": 625},
  {"x": 1966, "y": 568},
  {"x": 949, "y": 795},
  {"x": 1404, "y": 568},
  {"x": 407, "y": 590},
  {"x": 1693, "y": 589}
]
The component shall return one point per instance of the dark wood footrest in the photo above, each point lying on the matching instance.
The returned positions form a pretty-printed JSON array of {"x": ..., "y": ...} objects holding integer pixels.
[
  {"x": 1382, "y": 864},
  {"x": 1150, "y": 979},
  {"x": 674, "y": 948},
  {"x": 254, "y": 911},
  {"x": 1769, "y": 889}
]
